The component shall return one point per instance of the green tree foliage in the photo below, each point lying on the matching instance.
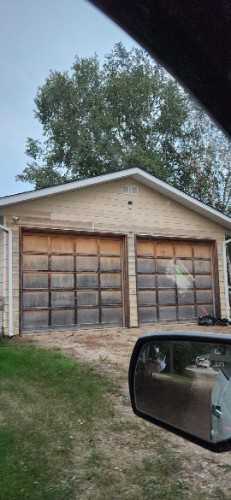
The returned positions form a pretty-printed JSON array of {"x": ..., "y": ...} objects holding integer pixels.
[{"x": 100, "y": 118}]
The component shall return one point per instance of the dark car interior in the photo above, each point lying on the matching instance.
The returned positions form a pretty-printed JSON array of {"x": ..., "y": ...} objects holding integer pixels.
[{"x": 192, "y": 40}]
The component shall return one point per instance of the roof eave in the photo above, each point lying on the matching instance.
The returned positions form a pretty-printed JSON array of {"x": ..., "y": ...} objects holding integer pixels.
[
  {"x": 184, "y": 199},
  {"x": 139, "y": 175}
]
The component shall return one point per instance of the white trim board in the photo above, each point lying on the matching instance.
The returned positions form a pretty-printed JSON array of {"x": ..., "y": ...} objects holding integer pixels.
[{"x": 135, "y": 173}]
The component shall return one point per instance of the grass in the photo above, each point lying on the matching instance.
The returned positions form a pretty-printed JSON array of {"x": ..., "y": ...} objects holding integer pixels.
[
  {"x": 49, "y": 405},
  {"x": 62, "y": 436}
]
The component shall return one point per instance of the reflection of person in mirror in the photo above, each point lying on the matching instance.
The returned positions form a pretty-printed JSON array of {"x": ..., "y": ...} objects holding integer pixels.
[
  {"x": 156, "y": 362},
  {"x": 221, "y": 406}
]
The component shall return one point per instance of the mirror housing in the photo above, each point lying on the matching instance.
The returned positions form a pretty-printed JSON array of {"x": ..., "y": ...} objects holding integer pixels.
[{"x": 182, "y": 383}]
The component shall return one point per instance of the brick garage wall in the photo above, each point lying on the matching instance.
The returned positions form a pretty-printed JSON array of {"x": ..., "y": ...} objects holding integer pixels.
[{"x": 105, "y": 208}]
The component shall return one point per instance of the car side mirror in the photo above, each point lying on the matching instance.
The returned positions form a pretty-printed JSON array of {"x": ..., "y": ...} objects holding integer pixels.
[{"x": 182, "y": 382}]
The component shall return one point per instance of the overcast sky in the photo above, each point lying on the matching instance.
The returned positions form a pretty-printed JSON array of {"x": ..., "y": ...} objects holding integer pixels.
[{"x": 36, "y": 36}]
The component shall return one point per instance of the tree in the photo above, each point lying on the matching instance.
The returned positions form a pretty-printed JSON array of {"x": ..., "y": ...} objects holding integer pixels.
[
  {"x": 100, "y": 118},
  {"x": 210, "y": 179}
]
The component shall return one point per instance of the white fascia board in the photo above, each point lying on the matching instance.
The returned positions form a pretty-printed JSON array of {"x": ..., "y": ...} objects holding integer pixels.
[{"x": 137, "y": 174}]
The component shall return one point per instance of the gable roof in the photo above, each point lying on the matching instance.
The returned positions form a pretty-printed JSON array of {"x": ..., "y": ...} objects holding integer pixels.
[{"x": 138, "y": 175}]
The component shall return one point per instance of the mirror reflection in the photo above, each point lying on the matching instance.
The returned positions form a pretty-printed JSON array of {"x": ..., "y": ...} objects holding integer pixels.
[{"x": 187, "y": 385}]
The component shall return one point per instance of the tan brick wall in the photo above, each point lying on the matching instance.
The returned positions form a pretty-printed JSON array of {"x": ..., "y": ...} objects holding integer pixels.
[{"x": 105, "y": 208}]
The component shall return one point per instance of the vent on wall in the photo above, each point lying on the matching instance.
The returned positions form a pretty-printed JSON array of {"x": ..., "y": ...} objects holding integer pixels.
[{"x": 130, "y": 189}]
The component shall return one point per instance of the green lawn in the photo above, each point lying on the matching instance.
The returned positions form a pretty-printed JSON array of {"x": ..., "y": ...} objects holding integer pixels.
[
  {"x": 63, "y": 437},
  {"x": 49, "y": 405}
]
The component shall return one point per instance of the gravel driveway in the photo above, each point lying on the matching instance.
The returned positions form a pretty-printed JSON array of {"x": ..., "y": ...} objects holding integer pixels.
[{"x": 109, "y": 350}]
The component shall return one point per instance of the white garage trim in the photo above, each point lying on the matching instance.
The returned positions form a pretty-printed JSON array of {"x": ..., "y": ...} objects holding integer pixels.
[{"x": 8, "y": 231}]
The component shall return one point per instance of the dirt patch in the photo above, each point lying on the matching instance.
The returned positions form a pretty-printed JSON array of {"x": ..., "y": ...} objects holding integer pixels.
[{"x": 109, "y": 350}]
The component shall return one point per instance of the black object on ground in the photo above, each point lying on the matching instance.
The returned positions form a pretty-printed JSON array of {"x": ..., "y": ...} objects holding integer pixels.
[{"x": 210, "y": 320}]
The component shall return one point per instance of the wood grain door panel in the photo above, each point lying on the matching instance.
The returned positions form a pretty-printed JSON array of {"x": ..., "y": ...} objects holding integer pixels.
[
  {"x": 176, "y": 277},
  {"x": 71, "y": 279}
]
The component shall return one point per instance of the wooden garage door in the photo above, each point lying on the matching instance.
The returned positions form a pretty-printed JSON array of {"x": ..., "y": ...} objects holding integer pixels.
[
  {"x": 174, "y": 280},
  {"x": 71, "y": 280}
]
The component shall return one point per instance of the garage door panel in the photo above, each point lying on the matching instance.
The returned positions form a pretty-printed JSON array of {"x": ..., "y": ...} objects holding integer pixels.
[
  {"x": 183, "y": 249},
  {"x": 35, "y": 243},
  {"x": 203, "y": 282},
  {"x": 87, "y": 263},
  {"x": 146, "y": 265},
  {"x": 185, "y": 281},
  {"x": 35, "y": 319},
  {"x": 61, "y": 280},
  {"x": 164, "y": 249},
  {"x": 62, "y": 299},
  {"x": 88, "y": 298},
  {"x": 204, "y": 296},
  {"x": 87, "y": 280},
  {"x": 110, "y": 280},
  {"x": 62, "y": 244},
  {"x": 35, "y": 299},
  {"x": 72, "y": 279},
  {"x": 147, "y": 297},
  {"x": 110, "y": 264},
  {"x": 145, "y": 281},
  {"x": 181, "y": 284},
  {"x": 88, "y": 316},
  {"x": 35, "y": 262},
  {"x": 187, "y": 313},
  {"x": 62, "y": 317},
  {"x": 147, "y": 314},
  {"x": 112, "y": 315},
  {"x": 111, "y": 297},
  {"x": 202, "y": 266},
  {"x": 167, "y": 297},
  {"x": 110, "y": 247},
  {"x": 186, "y": 297},
  {"x": 165, "y": 266},
  {"x": 184, "y": 266},
  {"x": 145, "y": 248},
  {"x": 62, "y": 263},
  {"x": 35, "y": 280},
  {"x": 167, "y": 313},
  {"x": 166, "y": 281},
  {"x": 86, "y": 245},
  {"x": 202, "y": 250}
]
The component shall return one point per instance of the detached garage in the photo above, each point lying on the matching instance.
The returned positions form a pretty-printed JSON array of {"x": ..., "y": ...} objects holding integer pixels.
[{"x": 123, "y": 249}]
